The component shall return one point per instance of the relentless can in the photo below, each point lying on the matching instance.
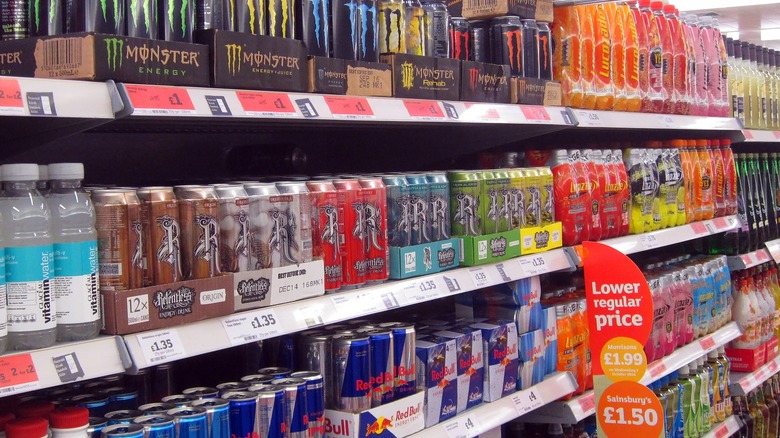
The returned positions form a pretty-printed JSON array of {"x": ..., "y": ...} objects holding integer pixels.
[
  {"x": 325, "y": 230},
  {"x": 316, "y": 26},
  {"x": 414, "y": 20},
  {"x": 217, "y": 415},
  {"x": 244, "y": 414},
  {"x": 295, "y": 233},
  {"x": 498, "y": 216},
  {"x": 530, "y": 48},
  {"x": 506, "y": 43},
  {"x": 250, "y": 16},
  {"x": 190, "y": 422},
  {"x": 545, "y": 51},
  {"x": 315, "y": 355},
  {"x": 123, "y": 431},
  {"x": 439, "y": 205},
  {"x": 478, "y": 41},
  {"x": 399, "y": 228},
  {"x": 517, "y": 198},
  {"x": 96, "y": 426},
  {"x": 381, "y": 363},
  {"x": 201, "y": 392},
  {"x": 351, "y": 364},
  {"x": 123, "y": 416},
  {"x": 157, "y": 426},
  {"x": 460, "y": 47},
  {"x": 153, "y": 408},
  {"x": 234, "y": 226},
  {"x": 214, "y": 14},
  {"x": 297, "y": 410},
  {"x": 275, "y": 372},
  {"x": 142, "y": 19},
  {"x": 178, "y": 20},
  {"x": 404, "y": 347},
  {"x": 419, "y": 211},
  {"x": 179, "y": 400},
  {"x": 46, "y": 18},
  {"x": 163, "y": 259},
  {"x": 264, "y": 203},
  {"x": 351, "y": 231},
  {"x": 391, "y": 27},
  {"x": 465, "y": 202},
  {"x": 99, "y": 16},
  {"x": 120, "y": 239},
  {"x": 315, "y": 401},
  {"x": 146, "y": 235},
  {"x": 533, "y": 197},
  {"x": 375, "y": 229},
  {"x": 546, "y": 199},
  {"x": 281, "y": 18},
  {"x": 198, "y": 217},
  {"x": 437, "y": 31}
]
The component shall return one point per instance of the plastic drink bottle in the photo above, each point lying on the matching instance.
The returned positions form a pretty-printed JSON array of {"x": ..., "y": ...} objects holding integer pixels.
[
  {"x": 718, "y": 179},
  {"x": 566, "y": 33},
  {"x": 616, "y": 22},
  {"x": 679, "y": 65},
  {"x": 667, "y": 56},
  {"x": 602, "y": 59},
  {"x": 587, "y": 55},
  {"x": 573, "y": 209},
  {"x": 654, "y": 101},
  {"x": 639, "y": 65},
  {"x": 596, "y": 192}
]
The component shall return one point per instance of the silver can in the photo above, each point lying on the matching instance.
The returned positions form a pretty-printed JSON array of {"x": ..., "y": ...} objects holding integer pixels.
[
  {"x": 298, "y": 223},
  {"x": 234, "y": 228}
]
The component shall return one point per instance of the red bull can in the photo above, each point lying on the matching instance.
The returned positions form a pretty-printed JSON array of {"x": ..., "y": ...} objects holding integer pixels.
[
  {"x": 375, "y": 229},
  {"x": 123, "y": 431},
  {"x": 459, "y": 39},
  {"x": 217, "y": 416},
  {"x": 226, "y": 387},
  {"x": 506, "y": 43},
  {"x": 153, "y": 408},
  {"x": 120, "y": 397},
  {"x": 201, "y": 392},
  {"x": 439, "y": 207},
  {"x": 352, "y": 371},
  {"x": 244, "y": 415},
  {"x": 351, "y": 231},
  {"x": 325, "y": 230},
  {"x": 275, "y": 372},
  {"x": 381, "y": 364},
  {"x": 404, "y": 348},
  {"x": 419, "y": 213},
  {"x": 315, "y": 355},
  {"x": 122, "y": 416},
  {"x": 157, "y": 425},
  {"x": 96, "y": 426},
  {"x": 179, "y": 400},
  {"x": 190, "y": 422},
  {"x": 315, "y": 401},
  {"x": 258, "y": 379},
  {"x": 297, "y": 417},
  {"x": 399, "y": 230}
]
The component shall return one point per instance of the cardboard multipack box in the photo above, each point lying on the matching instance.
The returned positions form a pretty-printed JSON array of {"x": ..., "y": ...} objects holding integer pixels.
[
  {"x": 468, "y": 363},
  {"x": 500, "y": 350},
  {"x": 539, "y": 10},
  {"x": 528, "y": 91},
  {"x": 427, "y": 258},
  {"x": 354, "y": 78},
  {"x": 478, "y": 250},
  {"x": 269, "y": 287},
  {"x": 437, "y": 374},
  {"x": 771, "y": 348},
  {"x": 101, "y": 57},
  {"x": 746, "y": 359},
  {"x": 531, "y": 366},
  {"x": 398, "y": 419},
  {"x": 424, "y": 77},
  {"x": 167, "y": 305},
  {"x": 482, "y": 82},
  {"x": 539, "y": 239}
]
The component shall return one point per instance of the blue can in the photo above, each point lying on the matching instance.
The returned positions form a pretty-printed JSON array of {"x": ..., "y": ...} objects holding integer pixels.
[
  {"x": 404, "y": 354},
  {"x": 297, "y": 413},
  {"x": 157, "y": 426},
  {"x": 399, "y": 228},
  {"x": 257, "y": 379},
  {"x": 190, "y": 422},
  {"x": 381, "y": 364},
  {"x": 272, "y": 412},
  {"x": 275, "y": 372},
  {"x": 120, "y": 398},
  {"x": 122, "y": 416},
  {"x": 315, "y": 401},
  {"x": 217, "y": 415},
  {"x": 97, "y": 404},
  {"x": 123, "y": 431},
  {"x": 351, "y": 366},
  {"x": 153, "y": 408},
  {"x": 243, "y": 414},
  {"x": 226, "y": 387},
  {"x": 439, "y": 206},
  {"x": 96, "y": 426},
  {"x": 201, "y": 392},
  {"x": 419, "y": 208},
  {"x": 179, "y": 400}
]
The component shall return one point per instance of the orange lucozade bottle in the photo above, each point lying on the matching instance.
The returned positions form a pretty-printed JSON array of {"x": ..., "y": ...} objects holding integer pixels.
[
  {"x": 566, "y": 29},
  {"x": 704, "y": 207},
  {"x": 587, "y": 55},
  {"x": 718, "y": 179},
  {"x": 679, "y": 62},
  {"x": 602, "y": 58},
  {"x": 653, "y": 102},
  {"x": 636, "y": 56},
  {"x": 616, "y": 23},
  {"x": 667, "y": 56},
  {"x": 687, "y": 154}
]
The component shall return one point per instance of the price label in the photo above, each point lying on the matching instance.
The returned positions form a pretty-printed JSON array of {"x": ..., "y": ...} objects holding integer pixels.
[
  {"x": 161, "y": 346},
  {"x": 311, "y": 316},
  {"x": 535, "y": 113},
  {"x": 722, "y": 431},
  {"x": 463, "y": 427},
  {"x": 480, "y": 277},
  {"x": 423, "y": 290},
  {"x": 667, "y": 121},
  {"x": 587, "y": 403},
  {"x": 533, "y": 265},
  {"x": 649, "y": 241},
  {"x": 656, "y": 368},
  {"x": 776, "y": 134},
  {"x": 252, "y": 326},
  {"x": 17, "y": 373},
  {"x": 720, "y": 223},
  {"x": 707, "y": 343},
  {"x": 266, "y": 104},
  {"x": 153, "y": 100},
  {"x": 699, "y": 228},
  {"x": 772, "y": 367},
  {"x": 623, "y": 358},
  {"x": 748, "y": 134},
  {"x": 11, "y": 97},
  {"x": 746, "y": 260},
  {"x": 762, "y": 255},
  {"x": 630, "y": 409},
  {"x": 526, "y": 401},
  {"x": 479, "y": 111},
  {"x": 588, "y": 118},
  {"x": 424, "y": 109},
  {"x": 355, "y": 108}
]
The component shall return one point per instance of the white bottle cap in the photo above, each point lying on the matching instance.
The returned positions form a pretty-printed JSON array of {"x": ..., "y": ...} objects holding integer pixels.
[
  {"x": 20, "y": 172},
  {"x": 685, "y": 371},
  {"x": 61, "y": 171},
  {"x": 43, "y": 172}
]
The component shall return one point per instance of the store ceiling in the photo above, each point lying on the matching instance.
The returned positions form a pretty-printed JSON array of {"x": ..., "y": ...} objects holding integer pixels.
[{"x": 756, "y": 21}]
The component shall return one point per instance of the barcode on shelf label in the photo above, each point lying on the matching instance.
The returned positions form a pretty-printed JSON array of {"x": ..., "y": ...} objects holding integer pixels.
[
  {"x": 390, "y": 301},
  {"x": 311, "y": 316},
  {"x": 161, "y": 346}
]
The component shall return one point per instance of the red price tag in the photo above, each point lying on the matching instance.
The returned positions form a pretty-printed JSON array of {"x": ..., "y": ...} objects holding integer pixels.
[
  {"x": 535, "y": 112},
  {"x": 772, "y": 367},
  {"x": 424, "y": 109},
  {"x": 266, "y": 104},
  {"x": 17, "y": 372},
  {"x": 720, "y": 223},
  {"x": 156, "y": 100},
  {"x": 707, "y": 343},
  {"x": 698, "y": 228},
  {"x": 587, "y": 403},
  {"x": 761, "y": 255},
  {"x": 657, "y": 369},
  {"x": 722, "y": 431},
  {"x": 776, "y": 134},
  {"x": 349, "y": 107},
  {"x": 746, "y": 259},
  {"x": 481, "y": 111},
  {"x": 10, "y": 94},
  {"x": 748, "y": 134}
]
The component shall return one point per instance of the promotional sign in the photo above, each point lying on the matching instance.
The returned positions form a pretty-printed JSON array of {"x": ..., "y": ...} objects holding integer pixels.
[{"x": 620, "y": 318}]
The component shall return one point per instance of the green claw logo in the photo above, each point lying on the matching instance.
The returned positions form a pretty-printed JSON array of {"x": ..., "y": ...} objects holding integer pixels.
[
  {"x": 183, "y": 12},
  {"x": 104, "y": 6},
  {"x": 114, "y": 48},
  {"x": 117, "y": 14},
  {"x": 146, "y": 14},
  {"x": 38, "y": 14}
]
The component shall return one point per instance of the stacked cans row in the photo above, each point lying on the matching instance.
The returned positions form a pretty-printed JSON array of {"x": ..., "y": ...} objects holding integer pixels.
[
  {"x": 418, "y": 208},
  {"x": 493, "y": 201},
  {"x": 524, "y": 45}
]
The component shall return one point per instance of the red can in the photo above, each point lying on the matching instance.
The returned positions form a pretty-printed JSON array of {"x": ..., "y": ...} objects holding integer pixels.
[
  {"x": 375, "y": 236},
  {"x": 350, "y": 202},
  {"x": 325, "y": 230}
]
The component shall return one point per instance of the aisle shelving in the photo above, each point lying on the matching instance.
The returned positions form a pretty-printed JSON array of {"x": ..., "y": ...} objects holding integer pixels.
[
  {"x": 749, "y": 260},
  {"x": 624, "y": 120},
  {"x": 760, "y": 136},
  {"x": 743, "y": 383},
  {"x": 773, "y": 246},
  {"x": 725, "y": 429}
]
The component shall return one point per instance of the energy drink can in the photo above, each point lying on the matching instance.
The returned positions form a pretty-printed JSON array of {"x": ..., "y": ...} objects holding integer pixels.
[
  {"x": 179, "y": 400},
  {"x": 439, "y": 206},
  {"x": 217, "y": 416},
  {"x": 198, "y": 217},
  {"x": 296, "y": 241},
  {"x": 459, "y": 39},
  {"x": 122, "y": 431},
  {"x": 98, "y": 16},
  {"x": 530, "y": 54},
  {"x": 275, "y": 372},
  {"x": 546, "y": 195},
  {"x": 404, "y": 335},
  {"x": 437, "y": 31},
  {"x": 465, "y": 202},
  {"x": 325, "y": 230},
  {"x": 14, "y": 16},
  {"x": 315, "y": 355},
  {"x": 97, "y": 404},
  {"x": 533, "y": 197},
  {"x": 545, "y": 51},
  {"x": 146, "y": 234},
  {"x": 281, "y": 18},
  {"x": 234, "y": 226},
  {"x": 350, "y": 201},
  {"x": 478, "y": 41},
  {"x": 250, "y": 16},
  {"x": 45, "y": 17},
  {"x": 297, "y": 410},
  {"x": 142, "y": 19},
  {"x": 315, "y": 401},
  {"x": 272, "y": 413},
  {"x": 122, "y": 416},
  {"x": 375, "y": 234},
  {"x": 506, "y": 43},
  {"x": 345, "y": 34},
  {"x": 264, "y": 203},
  {"x": 495, "y": 212},
  {"x": 419, "y": 208},
  {"x": 414, "y": 22},
  {"x": 227, "y": 387},
  {"x": 244, "y": 415},
  {"x": 120, "y": 239},
  {"x": 258, "y": 379},
  {"x": 391, "y": 27},
  {"x": 178, "y": 20},
  {"x": 352, "y": 372},
  {"x": 201, "y": 392},
  {"x": 163, "y": 259},
  {"x": 96, "y": 426},
  {"x": 316, "y": 26},
  {"x": 191, "y": 422},
  {"x": 516, "y": 198},
  {"x": 157, "y": 426},
  {"x": 120, "y": 397},
  {"x": 398, "y": 210},
  {"x": 214, "y": 14},
  {"x": 154, "y": 408},
  {"x": 381, "y": 364},
  {"x": 367, "y": 38}
]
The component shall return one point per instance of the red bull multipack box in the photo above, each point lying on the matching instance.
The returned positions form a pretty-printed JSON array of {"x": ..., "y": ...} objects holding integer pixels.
[
  {"x": 499, "y": 344},
  {"x": 527, "y": 294},
  {"x": 550, "y": 328},
  {"x": 437, "y": 376},
  {"x": 531, "y": 365},
  {"x": 469, "y": 365},
  {"x": 398, "y": 419}
]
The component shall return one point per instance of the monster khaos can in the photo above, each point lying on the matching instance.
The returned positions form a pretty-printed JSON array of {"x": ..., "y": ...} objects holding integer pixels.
[
  {"x": 281, "y": 18},
  {"x": 215, "y": 14},
  {"x": 142, "y": 19},
  {"x": 251, "y": 16},
  {"x": 45, "y": 17},
  {"x": 178, "y": 20},
  {"x": 391, "y": 27},
  {"x": 100, "y": 16},
  {"x": 316, "y": 24}
]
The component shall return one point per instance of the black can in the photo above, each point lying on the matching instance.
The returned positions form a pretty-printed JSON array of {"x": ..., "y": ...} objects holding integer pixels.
[
  {"x": 89, "y": 16},
  {"x": 437, "y": 29},
  {"x": 506, "y": 43},
  {"x": 545, "y": 52},
  {"x": 281, "y": 18},
  {"x": 459, "y": 39},
  {"x": 178, "y": 20},
  {"x": 45, "y": 17},
  {"x": 367, "y": 44},
  {"x": 250, "y": 16},
  {"x": 344, "y": 28},
  {"x": 215, "y": 14},
  {"x": 391, "y": 27},
  {"x": 479, "y": 50},
  {"x": 316, "y": 26},
  {"x": 530, "y": 49},
  {"x": 142, "y": 19},
  {"x": 14, "y": 16}
]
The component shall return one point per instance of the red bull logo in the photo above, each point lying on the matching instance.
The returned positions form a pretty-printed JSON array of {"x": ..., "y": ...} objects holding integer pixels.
[
  {"x": 466, "y": 363},
  {"x": 441, "y": 374},
  {"x": 340, "y": 428},
  {"x": 380, "y": 425},
  {"x": 501, "y": 354},
  {"x": 410, "y": 412},
  {"x": 402, "y": 371},
  {"x": 362, "y": 385}
]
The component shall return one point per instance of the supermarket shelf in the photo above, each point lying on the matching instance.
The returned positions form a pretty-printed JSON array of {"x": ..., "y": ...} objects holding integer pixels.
[
  {"x": 491, "y": 415},
  {"x": 760, "y": 136},
  {"x": 148, "y": 348},
  {"x": 773, "y": 246},
  {"x": 726, "y": 429},
  {"x": 565, "y": 412},
  {"x": 62, "y": 363},
  {"x": 745, "y": 261},
  {"x": 625, "y": 120},
  {"x": 743, "y": 383}
]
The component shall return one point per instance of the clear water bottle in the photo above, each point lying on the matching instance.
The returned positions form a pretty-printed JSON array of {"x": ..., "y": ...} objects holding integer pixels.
[
  {"x": 29, "y": 266},
  {"x": 43, "y": 179},
  {"x": 75, "y": 253}
]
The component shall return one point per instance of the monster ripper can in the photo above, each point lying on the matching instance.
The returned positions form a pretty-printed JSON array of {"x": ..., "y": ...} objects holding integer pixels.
[
  {"x": 478, "y": 41},
  {"x": 506, "y": 43},
  {"x": 350, "y": 210},
  {"x": 459, "y": 39},
  {"x": 178, "y": 20},
  {"x": 142, "y": 19},
  {"x": 533, "y": 197},
  {"x": 391, "y": 27},
  {"x": 414, "y": 22},
  {"x": 419, "y": 211},
  {"x": 198, "y": 216},
  {"x": 234, "y": 228},
  {"x": 498, "y": 216},
  {"x": 465, "y": 189},
  {"x": 267, "y": 208},
  {"x": 545, "y": 52},
  {"x": 375, "y": 229},
  {"x": 215, "y": 14},
  {"x": 162, "y": 233},
  {"x": 546, "y": 195},
  {"x": 517, "y": 198},
  {"x": 437, "y": 30},
  {"x": 100, "y": 16},
  {"x": 316, "y": 27},
  {"x": 120, "y": 238},
  {"x": 251, "y": 16},
  {"x": 325, "y": 230},
  {"x": 399, "y": 230},
  {"x": 281, "y": 18},
  {"x": 45, "y": 17},
  {"x": 295, "y": 232}
]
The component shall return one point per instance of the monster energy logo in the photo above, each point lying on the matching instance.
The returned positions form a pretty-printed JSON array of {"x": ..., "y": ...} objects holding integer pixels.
[
  {"x": 117, "y": 11},
  {"x": 361, "y": 11},
  {"x": 114, "y": 48},
  {"x": 234, "y": 58},
  {"x": 182, "y": 12},
  {"x": 392, "y": 33},
  {"x": 146, "y": 13},
  {"x": 285, "y": 17},
  {"x": 407, "y": 75}
]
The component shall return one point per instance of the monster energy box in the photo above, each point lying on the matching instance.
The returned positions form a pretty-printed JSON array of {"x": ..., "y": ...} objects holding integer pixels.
[
  {"x": 423, "y": 77},
  {"x": 480, "y": 82},
  {"x": 99, "y": 57},
  {"x": 356, "y": 78},
  {"x": 529, "y": 91},
  {"x": 539, "y": 10},
  {"x": 242, "y": 60}
]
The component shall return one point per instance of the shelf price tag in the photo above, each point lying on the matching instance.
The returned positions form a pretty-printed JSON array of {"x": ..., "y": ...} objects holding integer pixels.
[
  {"x": 667, "y": 121},
  {"x": 17, "y": 373},
  {"x": 746, "y": 259},
  {"x": 762, "y": 255},
  {"x": 720, "y": 223},
  {"x": 589, "y": 118},
  {"x": 535, "y": 113},
  {"x": 656, "y": 369},
  {"x": 480, "y": 277},
  {"x": 707, "y": 343},
  {"x": 153, "y": 100},
  {"x": 776, "y": 134},
  {"x": 481, "y": 111},
  {"x": 535, "y": 265},
  {"x": 252, "y": 326},
  {"x": 587, "y": 403},
  {"x": 11, "y": 97},
  {"x": 424, "y": 109},
  {"x": 722, "y": 431},
  {"x": 699, "y": 228},
  {"x": 649, "y": 241},
  {"x": 355, "y": 108},
  {"x": 528, "y": 400},
  {"x": 161, "y": 346},
  {"x": 265, "y": 104},
  {"x": 748, "y": 134},
  {"x": 463, "y": 427},
  {"x": 424, "y": 290}
]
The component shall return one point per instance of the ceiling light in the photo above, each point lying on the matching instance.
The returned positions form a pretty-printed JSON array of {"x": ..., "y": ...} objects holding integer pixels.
[
  {"x": 770, "y": 34},
  {"x": 701, "y": 5}
]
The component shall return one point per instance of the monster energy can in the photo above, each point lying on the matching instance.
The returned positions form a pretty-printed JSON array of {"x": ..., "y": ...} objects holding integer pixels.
[
  {"x": 298, "y": 227},
  {"x": 355, "y": 30},
  {"x": 517, "y": 198},
  {"x": 478, "y": 41},
  {"x": 251, "y": 16},
  {"x": 215, "y": 14},
  {"x": 178, "y": 20},
  {"x": 419, "y": 211},
  {"x": 530, "y": 48},
  {"x": 101, "y": 16},
  {"x": 545, "y": 52},
  {"x": 459, "y": 39},
  {"x": 281, "y": 18},
  {"x": 465, "y": 189},
  {"x": 261, "y": 223},
  {"x": 414, "y": 21},
  {"x": 142, "y": 19},
  {"x": 14, "y": 15},
  {"x": 439, "y": 206},
  {"x": 234, "y": 225},
  {"x": 398, "y": 220},
  {"x": 437, "y": 29},
  {"x": 45, "y": 17},
  {"x": 198, "y": 217},
  {"x": 506, "y": 43},
  {"x": 316, "y": 26},
  {"x": 391, "y": 27}
]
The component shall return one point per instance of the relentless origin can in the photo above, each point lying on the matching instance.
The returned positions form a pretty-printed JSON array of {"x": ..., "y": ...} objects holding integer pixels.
[
  {"x": 381, "y": 363},
  {"x": 506, "y": 43},
  {"x": 297, "y": 410},
  {"x": 201, "y": 392},
  {"x": 123, "y": 416},
  {"x": 281, "y": 18},
  {"x": 439, "y": 205},
  {"x": 391, "y": 27},
  {"x": 315, "y": 355},
  {"x": 315, "y": 401},
  {"x": 123, "y": 431},
  {"x": 142, "y": 19},
  {"x": 316, "y": 26},
  {"x": 179, "y": 400},
  {"x": 198, "y": 217},
  {"x": 465, "y": 197},
  {"x": 437, "y": 31},
  {"x": 244, "y": 414},
  {"x": 298, "y": 226},
  {"x": 275, "y": 372},
  {"x": 261, "y": 223},
  {"x": 163, "y": 259},
  {"x": 351, "y": 231},
  {"x": 352, "y": 371},
  {"x": 459, "y": 39},
  {"x": 325, "y": 230},
  {"x": 214, "y": 14},
  {"x": 404, "y": 348},
  {"x": 217, "y": 415},
  {"x": 399, "y": 229},
  {"x": 157, "y": 425},
  {"x": 178, "y": 20},
  {"x": 545, "y": 51},
  {"x": 190, "y": 422},
  {"x": 99, "y": 16},
  {"x": 250, "y": 16},
  {"x": 530, "y": 48},
  {"x": 478, "y": 41},
  {"x": 120, "y": 239},
  {"x": 375, "y": 229},
  {"x": 419, "y": 211},
  {"x": 153, "y": 408},
  {"x": 414, "y": 20},
  {"x": 234, "y": 225}
]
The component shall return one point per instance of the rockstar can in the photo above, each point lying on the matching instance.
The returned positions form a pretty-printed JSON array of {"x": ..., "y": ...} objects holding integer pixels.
[
  {"x": 142, "y": 19},
  {"x": 351, "y": 229},
  {"x": 465, "y": 211},
  {"x": 214, "y": 14},
  {"x": 316, "y": 26},
  {"x": 250, "y": 16},
  {"x": 99, "y": 16},
  {"x": 439, "y": 205},
  {"x": 120, "y": 238},
  {"x": 234, "y": 226},
  {"x": 391, "y": 27},
  {"x": 419, "y": 212},
  {"x": 506, "y": 43},
  {"x": 45, "y": 17},
  {"x": 198, "y": 217},
  {"x": 261, "y": 225},
  {"x": 399, "y": 232},
  {"x": 530, "y": 48},
  {"x": 478, "y": 41},
  {"x": 281, "y": 18},
  {"x": 459, "y": 39},
  {"x": 414, "y": 22},
  {"x": 325, "y": 230},
  {"x": 299, "y": 221},
  {"x": 178, "y": 20},
  {"x": 375, "y": 229},
  {"x": 545, "y": 51},
  {"x": 163, "y": 238},
  {"x": 437, "y": 31}
]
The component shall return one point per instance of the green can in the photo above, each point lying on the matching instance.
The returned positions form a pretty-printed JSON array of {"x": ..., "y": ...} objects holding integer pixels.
[
  {"x": 498, "y": 214},
  {"x": 465, "y": 193},
  {"x": 517, "y": 198},
  {"x": 533, "y": 197},
  {"x": 546, "y": 192}
]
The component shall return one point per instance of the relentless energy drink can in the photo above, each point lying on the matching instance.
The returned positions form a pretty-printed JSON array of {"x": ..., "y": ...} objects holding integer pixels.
[
  {"x": 315, "y": 355},
  {"x": 178, "y": 20},
  {"x": 251, "y": 16},
  {"x": 351, "y": 229},
  {"x": 465, "y": 202},
  {"x": 198, "y": 216},
  {"x": 157, "y": 426},
  {"x": 495, "y": 196},
  {"x": 14, "y": 18},
  {"x": 100, "y": 16},
  {"x": 297, "y": 410},
  {"x": 419, "y": 208},
  {"x": 399, "y": 229},
  {"x": 545, "y": 51},
  {"x": 325, "y": 230},
  {"x": 546, "y": 195},
  {"x": 191, "y": 422},
  {"x": 146, "y": 233},
  {"x": 122, "y": 431},
  {"x": 217, "y": 416},
  {"x": 439, "y": 206},
  {"x": 391, "y": 27},
  {"x": 281, "y": 18},
  {"x": 120, "y": 239},
  {"x": 46, "y": 17},
  {"x": 530, "y": 54},
  {"x": 404, "y": 373},
  {"x": 298, "y": 225},
  {"x": 459, "y": 39},
  {"x": 516, "y": 198},
  {"x": 261, "y": 223},
  {"x": 478, "y": 41},
  {"x": 437, "y": 33},
  {"x": 315, "y": 401},
  {"x": 352, "y": 372},
  {"x": 164, "y": 261},
  {"x": 316, "y": 26},
  {"x": 506, "y": 43},
  {"x": 235, "y": 228},
  {"x": 533, "y": 197},
  {"x": 414, "y": 22},
  {"x": 215, "y": 14},
  {"x": 381, "y": 364},
  {"x": 142, "y": 19},
  {"x": 375, "y": 229}
]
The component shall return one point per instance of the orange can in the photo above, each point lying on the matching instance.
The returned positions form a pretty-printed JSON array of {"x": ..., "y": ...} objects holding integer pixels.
[
  {"x": 200, "y": 237},
  {"x": 120, "y": 238},
  {"x": 163, "y": 238}
]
